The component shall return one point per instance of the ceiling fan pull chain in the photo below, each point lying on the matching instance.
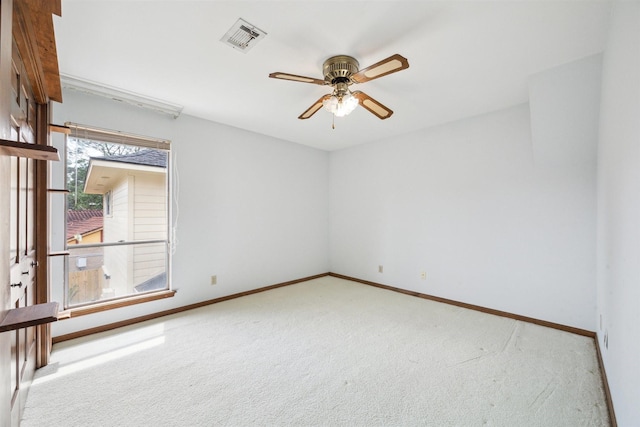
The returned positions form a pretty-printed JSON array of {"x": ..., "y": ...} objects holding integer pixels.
[{"x": 333, "y": 121}]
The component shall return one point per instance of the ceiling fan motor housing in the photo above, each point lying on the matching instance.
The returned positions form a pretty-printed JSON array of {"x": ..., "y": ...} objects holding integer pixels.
[{"x": 339, "y": 69}]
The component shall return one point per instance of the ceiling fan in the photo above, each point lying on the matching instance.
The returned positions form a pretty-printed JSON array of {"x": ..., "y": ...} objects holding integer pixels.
[{"x": 342, "y": 71}]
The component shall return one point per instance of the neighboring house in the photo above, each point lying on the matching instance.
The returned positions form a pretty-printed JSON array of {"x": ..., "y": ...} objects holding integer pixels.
[
  {"x": 86, "y": 275},
  {"x": 135, "y": 205},
  {"x": 85, "y": 264},
  {"x": 84, "y": 226}
]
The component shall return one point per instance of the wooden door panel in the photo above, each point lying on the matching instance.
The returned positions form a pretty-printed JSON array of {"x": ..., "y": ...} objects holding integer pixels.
[
  {"x": 14, "y": 366},
  {"x": 22, "y": 207},
  {"x": 31, "y": 205},
  {"x": 13, "y": 212}
]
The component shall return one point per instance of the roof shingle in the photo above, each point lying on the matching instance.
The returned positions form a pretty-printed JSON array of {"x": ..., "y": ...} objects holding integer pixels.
[
  {"x": 83, "y": 222},
  {"x": 145, "y": 157}
]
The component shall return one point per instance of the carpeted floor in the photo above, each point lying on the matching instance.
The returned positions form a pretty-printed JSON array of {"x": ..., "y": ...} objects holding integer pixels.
[{"x": 327, "y": 352}]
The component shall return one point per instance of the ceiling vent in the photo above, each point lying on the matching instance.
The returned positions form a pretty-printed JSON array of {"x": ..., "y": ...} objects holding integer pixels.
[{"x": 243, "y": 36}]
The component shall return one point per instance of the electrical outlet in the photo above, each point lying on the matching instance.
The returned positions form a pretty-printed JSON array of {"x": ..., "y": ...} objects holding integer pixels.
[
  {"x": 423, "y": 275},
  {"x": 214, "y": 280},
  {"x": 380, "y": 269}
]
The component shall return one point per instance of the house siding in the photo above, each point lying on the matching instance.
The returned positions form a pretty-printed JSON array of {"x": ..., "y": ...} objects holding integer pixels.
[
  {"x": 149, "y": 223},
  {"x": 116, "y": 228}
]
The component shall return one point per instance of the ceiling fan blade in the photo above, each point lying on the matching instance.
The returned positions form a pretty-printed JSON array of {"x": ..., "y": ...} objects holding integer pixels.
[
  {"x": 390, "y": 65},
  {"x": 314, "y": 108},
  {"x": 372, "y": 105},
  {"x": 293, "y": 77}
]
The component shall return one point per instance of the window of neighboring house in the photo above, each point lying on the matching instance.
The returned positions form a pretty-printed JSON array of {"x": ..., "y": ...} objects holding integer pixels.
[
  {"x": 117, "y": 216},
  {"x": 107, "y": 203}
]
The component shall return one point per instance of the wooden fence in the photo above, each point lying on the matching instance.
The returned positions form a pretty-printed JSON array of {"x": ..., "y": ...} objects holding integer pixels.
[{"x": 85, "y": 286}]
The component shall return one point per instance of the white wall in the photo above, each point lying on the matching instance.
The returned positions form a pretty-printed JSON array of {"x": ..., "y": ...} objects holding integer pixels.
[
  {"x": 565, "y": 109},
  {"x": 465, "y": 203},
  {"x": 252, "y": 209},
  {"x": 619, "y": 212}
]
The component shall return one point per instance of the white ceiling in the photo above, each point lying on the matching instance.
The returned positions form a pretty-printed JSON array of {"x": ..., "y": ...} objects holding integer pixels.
[{"x": 466, "y": 58}]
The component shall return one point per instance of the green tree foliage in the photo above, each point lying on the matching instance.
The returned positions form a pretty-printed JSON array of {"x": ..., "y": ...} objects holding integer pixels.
[{"x": 78, "y": 200}]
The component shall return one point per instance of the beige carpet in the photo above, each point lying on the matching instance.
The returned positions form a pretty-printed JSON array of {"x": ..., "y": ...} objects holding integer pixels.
[{"x": 327, "y": 352}]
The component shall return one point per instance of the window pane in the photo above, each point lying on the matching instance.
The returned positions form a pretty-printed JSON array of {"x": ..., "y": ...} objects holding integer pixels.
[
  {"x": 104, "y": 272},
  {"x": 117, "y": 220},
  {"x": 123, "y": 184}
]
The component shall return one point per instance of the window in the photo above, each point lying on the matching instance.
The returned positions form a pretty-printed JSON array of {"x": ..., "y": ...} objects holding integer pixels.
[
  {"x": 106, "y": 203},
  {"x": 117, "y": 216}
]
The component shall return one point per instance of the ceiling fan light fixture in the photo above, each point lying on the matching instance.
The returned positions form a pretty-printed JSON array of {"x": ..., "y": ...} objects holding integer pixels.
[
  {"x": 341, "y": 102},
  {"x": 340, "y": 106}
]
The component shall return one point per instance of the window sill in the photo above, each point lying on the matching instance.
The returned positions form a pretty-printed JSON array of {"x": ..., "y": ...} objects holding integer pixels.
[{"x": 110, "y": 305}]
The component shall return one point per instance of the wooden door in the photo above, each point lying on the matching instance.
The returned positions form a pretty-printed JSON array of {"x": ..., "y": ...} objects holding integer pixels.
[{"x": 22, "y": 233}]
